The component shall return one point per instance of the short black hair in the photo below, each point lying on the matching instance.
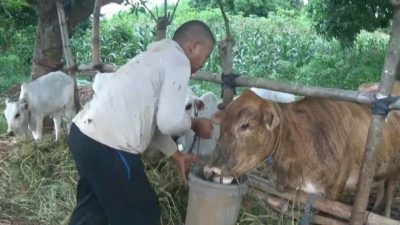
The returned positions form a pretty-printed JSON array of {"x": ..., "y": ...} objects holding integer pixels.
[{"x": 193, "y": 29}]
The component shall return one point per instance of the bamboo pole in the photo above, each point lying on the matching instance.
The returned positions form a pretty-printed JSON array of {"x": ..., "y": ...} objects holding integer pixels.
[
  {"x": 96, "y": 33},
  {"x": 390, "y": 69},
  {"x": 248, "y": 81},
  {"x": 67, "y": 51},
  {"x": 275, "y": 204},
  {"x": 325, "y": 205}
]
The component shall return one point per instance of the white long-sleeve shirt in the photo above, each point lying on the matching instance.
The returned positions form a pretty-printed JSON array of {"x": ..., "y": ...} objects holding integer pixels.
[{"x": 143, "y": 102}]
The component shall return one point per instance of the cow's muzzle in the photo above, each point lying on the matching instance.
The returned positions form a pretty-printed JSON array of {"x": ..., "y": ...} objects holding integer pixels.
[{"x": 214, "y": 174}]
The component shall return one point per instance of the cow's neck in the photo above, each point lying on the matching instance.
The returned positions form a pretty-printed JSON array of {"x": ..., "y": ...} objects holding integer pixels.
[{"x": 271, "y": 158}]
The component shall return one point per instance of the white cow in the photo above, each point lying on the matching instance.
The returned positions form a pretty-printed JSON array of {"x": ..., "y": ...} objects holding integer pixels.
[
  {"x": 100, "y": 80},
  {"x": 276, "y": 96},
  {"x": 51, "y": 94}
]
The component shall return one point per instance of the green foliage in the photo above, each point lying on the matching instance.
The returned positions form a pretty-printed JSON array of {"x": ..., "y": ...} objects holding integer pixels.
[
  {"x": 11, "y": 72},
  {"x": 284, "y": 47},
  {"x": 345, "y": 19},
  {"x": 249, "y": 7},
  {"x": 120, "y": 40},
  {"x": 14, "y": 16},
  {"x": 255, "y": 7},
  {"x": 15, "y": 61},
  {"x": 204, "y": 4},
  {"x": 17, "y": 20}
]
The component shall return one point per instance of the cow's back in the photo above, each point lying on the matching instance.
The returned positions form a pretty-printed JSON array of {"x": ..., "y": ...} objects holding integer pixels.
[
  {"x": 50, "y": 91},
  {"x": 324, "y": 140}
]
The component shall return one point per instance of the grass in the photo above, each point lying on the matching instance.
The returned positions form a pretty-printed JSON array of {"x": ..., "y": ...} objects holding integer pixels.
[{"x": 38, "y": 182}]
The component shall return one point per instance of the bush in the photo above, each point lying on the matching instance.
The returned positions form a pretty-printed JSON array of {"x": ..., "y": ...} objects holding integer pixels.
[{"x": 13, "y": 71}]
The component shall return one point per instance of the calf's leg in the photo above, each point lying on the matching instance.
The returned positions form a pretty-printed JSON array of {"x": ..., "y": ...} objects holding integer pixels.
[{"x": 57, "y": 126}]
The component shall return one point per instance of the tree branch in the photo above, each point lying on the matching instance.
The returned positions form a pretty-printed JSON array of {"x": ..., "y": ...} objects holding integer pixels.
[
  {"x": 165, "y": 8},
  {"x": 173, "y": 12},
  {"x": 148, "y": 10},
  {"x": 226, "y": 20}
]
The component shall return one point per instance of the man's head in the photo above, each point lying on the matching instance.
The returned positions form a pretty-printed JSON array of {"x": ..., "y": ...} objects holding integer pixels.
[{"x": 197, "y": 41}]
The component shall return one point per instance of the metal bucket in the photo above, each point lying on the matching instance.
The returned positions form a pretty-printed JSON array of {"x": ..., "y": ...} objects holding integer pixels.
[{"x": 213, "y": 203}]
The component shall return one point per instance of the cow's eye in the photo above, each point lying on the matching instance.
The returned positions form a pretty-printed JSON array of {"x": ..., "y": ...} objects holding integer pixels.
[
  {"x": 245, "y": 126},
  {"x": 17, "y": 115},
  {"x": 188, "y": 106}
]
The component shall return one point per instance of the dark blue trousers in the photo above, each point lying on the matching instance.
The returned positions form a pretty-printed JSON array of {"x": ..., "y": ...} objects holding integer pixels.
[{"x": 113, "y": 187}]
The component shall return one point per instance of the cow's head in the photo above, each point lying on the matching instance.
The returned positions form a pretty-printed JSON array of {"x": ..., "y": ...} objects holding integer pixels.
[
  {"x": 17, "y": 116},
  {"x": 249, "y": 129}
]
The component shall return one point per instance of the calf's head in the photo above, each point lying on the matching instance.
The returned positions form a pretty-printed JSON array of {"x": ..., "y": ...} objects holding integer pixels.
[
  {"x": 249, "y": 128},
  {"x": 17, "y": 116}
]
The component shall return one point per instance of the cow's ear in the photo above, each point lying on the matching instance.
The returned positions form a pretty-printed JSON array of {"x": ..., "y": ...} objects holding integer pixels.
[
  {"x": 274, "y": 123},
  {"x": 217, "y": 116},
  {"x": 271, "y": 119},
  {"x": 24, "y": 104}
]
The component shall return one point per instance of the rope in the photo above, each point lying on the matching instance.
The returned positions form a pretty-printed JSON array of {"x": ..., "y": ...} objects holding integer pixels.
[
  {"x": 195, "y": 137},
  {"x": 383, "y": 106},
  {"x": 228, "y": 81},
  {"x": 309, "y": 210}
]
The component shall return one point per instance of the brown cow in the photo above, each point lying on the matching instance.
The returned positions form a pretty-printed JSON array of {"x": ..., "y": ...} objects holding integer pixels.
[
  {"x": 373, "y": 87},
  {"x": 315, "y": 144}
]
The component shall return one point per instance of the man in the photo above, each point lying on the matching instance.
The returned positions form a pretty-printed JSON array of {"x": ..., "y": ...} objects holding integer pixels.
[{"x": 142, "y": 103}]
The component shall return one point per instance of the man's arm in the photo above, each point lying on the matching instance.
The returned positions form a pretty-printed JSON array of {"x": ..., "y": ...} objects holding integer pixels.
[
  {"x": 164, "y": 143},
  {"x": 171, "y": 116}
]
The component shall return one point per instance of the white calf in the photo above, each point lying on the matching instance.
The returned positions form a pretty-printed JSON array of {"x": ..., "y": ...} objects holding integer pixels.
[
  {"x": 51, "y": 94},
  {"x": 205, "y": 106}
]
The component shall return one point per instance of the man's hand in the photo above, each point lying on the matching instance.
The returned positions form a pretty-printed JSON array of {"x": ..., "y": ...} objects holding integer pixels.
[
  {"x": 202, "y": 127},
  {"x": 183, "y": 161}
]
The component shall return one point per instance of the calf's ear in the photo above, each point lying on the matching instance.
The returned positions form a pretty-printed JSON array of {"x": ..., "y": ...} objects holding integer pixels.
[
  {"x": 200, "y": 105},
  {"x": 217, "y": 116},
  {"x": 24, "y": 104}
]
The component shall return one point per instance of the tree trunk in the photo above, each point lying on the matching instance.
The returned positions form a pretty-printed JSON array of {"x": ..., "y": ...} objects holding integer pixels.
[
  {"x": 162, "y": 24},
  {"x": 48, "y": 46},
  {"x": 96, "y": 34}
]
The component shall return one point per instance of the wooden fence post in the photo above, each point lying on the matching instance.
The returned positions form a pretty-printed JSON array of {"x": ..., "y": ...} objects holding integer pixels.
[
  {"x": 226, "y": 54},
  {"x": 67, "y": 51},
  {"x": 390, "y": 69},
  {"x": 96, "y": 33}
]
